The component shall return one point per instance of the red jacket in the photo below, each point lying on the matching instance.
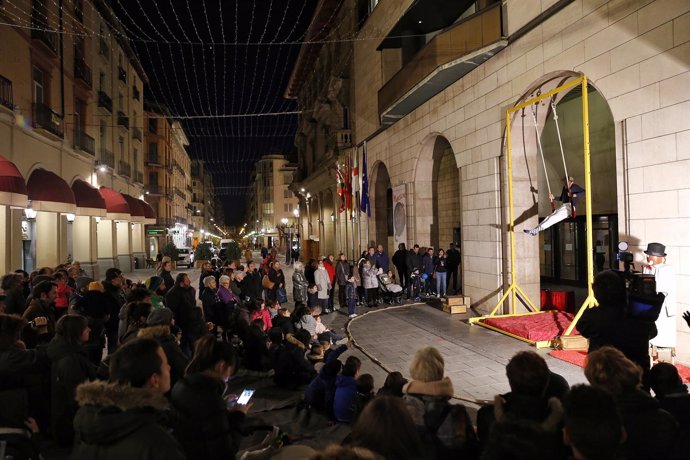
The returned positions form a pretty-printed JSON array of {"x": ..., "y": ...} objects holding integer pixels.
[
  {"x": 331, "y": 271},
  {"x": 265, "y": 315},
  {"x": 63, "y": 293}
]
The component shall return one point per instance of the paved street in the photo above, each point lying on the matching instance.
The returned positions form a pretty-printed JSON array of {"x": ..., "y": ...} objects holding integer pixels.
[{"x": 475, "y": 357}]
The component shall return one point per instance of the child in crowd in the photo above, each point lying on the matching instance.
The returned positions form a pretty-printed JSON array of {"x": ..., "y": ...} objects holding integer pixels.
[
  {"x": 283, "y": 321},
  {"x": 351, "y": 295},
  {"x": 345, "y": 399},
  {"x": 365, "y": 391},
  {"x": 262, "y": 313},
  {"x": 273, "y": 308}
]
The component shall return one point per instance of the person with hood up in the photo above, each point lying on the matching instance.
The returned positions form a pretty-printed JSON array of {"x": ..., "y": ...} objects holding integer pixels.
[
  {"x": 122, "y": 418},
  {"x": 70, "y": 367}
]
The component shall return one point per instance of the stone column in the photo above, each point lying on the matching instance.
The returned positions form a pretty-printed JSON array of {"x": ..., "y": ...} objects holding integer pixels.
[
  {"x": 107, "y": 245},
  {"x": 124, "y": 245},
  {"x": 48, "y": 239},
  {"x": 85, "y": 244}
]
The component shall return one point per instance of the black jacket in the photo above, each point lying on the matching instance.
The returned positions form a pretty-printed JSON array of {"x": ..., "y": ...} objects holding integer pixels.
[
  {"x": 70, "y": 367},
  {"x": 181, "y": 301},
  {"x": 290, "y": 365},
  {"x": 342, "y": 272},
  {"x": 114, "y": 300},
  {"x": 414, "y": 261},
  {"x": 453, "y": 256},
  {"x": 609, "y": 325},
  {"x": 168, "y": 280},
  {"x": 252, "y": 284},
  {"x": 36, "y": 309},
  {"x": 284, "y": 323},
  {"x": 119, "y": 421},
  {"x": 203, "y": 424},
  {"x": 177, "y": 360}
]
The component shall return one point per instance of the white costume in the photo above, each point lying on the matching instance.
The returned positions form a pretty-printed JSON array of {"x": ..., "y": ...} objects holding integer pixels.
[{"x": 665, "y": 277}]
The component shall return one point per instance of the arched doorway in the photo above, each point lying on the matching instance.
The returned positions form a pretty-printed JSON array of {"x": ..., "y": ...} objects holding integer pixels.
[
  {"x": 382, "y": 194},
  {"x": 438, "y": 195}
]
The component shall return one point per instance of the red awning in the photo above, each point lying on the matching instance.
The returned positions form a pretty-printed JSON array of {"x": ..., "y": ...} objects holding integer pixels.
[
  {"x": 115, "y": 204},
  {"x": 49, "y": 192},
  {"x": 136, "y": 210},
  {"x": 149, "y": 213},
  {"x": 89, "y": 201},
  {"x": 12, "y": 186}
]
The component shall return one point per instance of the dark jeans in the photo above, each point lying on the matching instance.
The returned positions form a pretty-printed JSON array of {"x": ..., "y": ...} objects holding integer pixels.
[
  {"x": 342, "y": 301},
  {"x": 331, "y": 296},
  {"x": 403, "y": 276},
  {"x": 372, "y": 295},
  {"x": 452, "y": 275}
]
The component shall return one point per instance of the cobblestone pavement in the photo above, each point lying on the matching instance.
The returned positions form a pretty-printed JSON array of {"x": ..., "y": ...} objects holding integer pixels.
[{"x": 475, "y": 357}]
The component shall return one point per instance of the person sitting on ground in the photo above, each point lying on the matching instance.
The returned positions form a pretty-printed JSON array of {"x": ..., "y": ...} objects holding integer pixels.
[
  {"x": 237, "y": 284},
  {"x": 206, "y": 271},
  {"x": 446, "y": 429},
  {"x": 307, "y": 321},
  {"x": 592, "y": 426},
  {"x": 530, "y": 397},
  {"x": 207, "y": 426},
  {"x": 283, "y": 321},
  {"x": 159, "y": 326},
  {"x": 522, "y": 439},
  {"x": 260, "y": 312},
  {"x": 652, "y": 432},
  {"x": 672, "y": 394},
  {"x": 137, "y": 313},
  {"x": 70, "y": 367},
  {"x": 321, "y": 390},
  {"x": 273, "y": 306},
  {"x": 386, "y": 428},
  {"x": 365, "y": 391},
  {"x": 569, "y": 197},
  {"x": 124, "y": 415},
  {"x": 345, "y": 398},
  {"x": 210, "y": 301},
  {"x": 292, "y": 368},
  {"x": 256, "y": 356},
  {"x": 393, "y": 385}
]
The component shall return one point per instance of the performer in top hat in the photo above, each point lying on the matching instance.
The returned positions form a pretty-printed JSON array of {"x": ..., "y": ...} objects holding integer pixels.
[
  {"x": 569, "y": 196},
  {"x": 665, "y": 277}
]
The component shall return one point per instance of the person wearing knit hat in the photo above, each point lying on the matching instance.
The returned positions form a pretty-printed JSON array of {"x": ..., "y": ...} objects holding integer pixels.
[
  {"x": 155, "y": 284},
  {"x": 81, "y": 285},
  {"x": 160, "y": 317},
  {"x": 95, "y": 286}
]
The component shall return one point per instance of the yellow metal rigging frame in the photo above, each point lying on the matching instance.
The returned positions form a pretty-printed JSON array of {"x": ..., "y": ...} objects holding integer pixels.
[{"x": 514, "y": 291}]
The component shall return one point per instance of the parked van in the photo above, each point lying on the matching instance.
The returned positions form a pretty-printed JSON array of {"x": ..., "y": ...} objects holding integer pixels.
[{"x": 185, "y": 256}]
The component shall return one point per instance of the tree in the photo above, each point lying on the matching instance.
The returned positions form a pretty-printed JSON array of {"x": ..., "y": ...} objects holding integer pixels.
[
  {"x": 233, "y": 251},
  {"x": 203, "y": 252},
  {"x": 170, "y": 250}
]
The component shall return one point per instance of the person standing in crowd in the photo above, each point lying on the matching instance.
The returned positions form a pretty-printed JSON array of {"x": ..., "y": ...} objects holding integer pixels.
[
  {"x": 40, "y": 306},
  {"x": 381, "y": 259},
  {"x": 428, "y": 270},
  {"x": 665, "y": 277},
  {"x": 299, "y": 285},
  {"x": 453, "y": 257},
  {"x": 181, "y": 300},
  {"x": 165, "y": 272},
  {"x": 112, "y": 285},
  {"x": 253, "y": 281},
  {"x": 275, "y": 274},
  {"x": 370, "y": 283},
  {"x": 413, "y": 262},
  {"x": 323, "y": 285},
  {"x": 440, "y": 269},
  {"x": 400, "y": 262},
  {"x": 342, "y": 273},
  {"x": 125, "y": 415},
  {"x": 329, "y": 263},
  {"x": 70, "y": 367},
  {"x": 15, "y": 301}
]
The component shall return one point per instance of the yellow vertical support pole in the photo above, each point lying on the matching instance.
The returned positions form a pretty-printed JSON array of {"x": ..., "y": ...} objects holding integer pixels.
[
  {"x": 511, "y": 231},
  {"x": 588, "y": 187}
]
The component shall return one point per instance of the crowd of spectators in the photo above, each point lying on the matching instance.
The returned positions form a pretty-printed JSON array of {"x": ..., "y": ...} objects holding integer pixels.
[{"x": 112, "y": 369}]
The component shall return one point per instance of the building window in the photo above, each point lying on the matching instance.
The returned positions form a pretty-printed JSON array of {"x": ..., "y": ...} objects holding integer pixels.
[
  {"x": 153, "y": 128},
  {"x": 121, "y": 143},
  {"x": 101, "y": 81},
  {"x": 153, "y": 152},
  {"x": 287, "y": 194},
  {"x": 267, "y": 208},
  {"x": 39, "y": 85}
]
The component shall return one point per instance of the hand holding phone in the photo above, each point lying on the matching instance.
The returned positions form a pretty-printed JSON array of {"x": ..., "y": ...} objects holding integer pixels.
[{"x": 245, "y": 396}]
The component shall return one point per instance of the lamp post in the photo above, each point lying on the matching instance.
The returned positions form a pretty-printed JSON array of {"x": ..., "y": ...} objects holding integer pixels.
[{"x": 286, "y": 232}]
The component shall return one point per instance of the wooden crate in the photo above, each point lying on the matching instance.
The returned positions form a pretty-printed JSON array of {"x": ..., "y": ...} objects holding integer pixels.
[
  {"x": 454, "y": 309},
  {"x": 457, "y": 300}
]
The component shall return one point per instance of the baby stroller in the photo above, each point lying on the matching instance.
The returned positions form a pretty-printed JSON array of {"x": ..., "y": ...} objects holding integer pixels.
[{"x": 390, "y": 292}]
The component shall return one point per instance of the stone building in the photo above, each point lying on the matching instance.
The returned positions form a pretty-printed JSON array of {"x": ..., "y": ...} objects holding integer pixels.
[
  {"x": 71, "y": 117},
  {"x": 429, "y": 94}
]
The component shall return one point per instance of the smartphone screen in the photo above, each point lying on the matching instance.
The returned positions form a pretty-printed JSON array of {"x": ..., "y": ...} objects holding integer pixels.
[{"x": 245, "y": 396}]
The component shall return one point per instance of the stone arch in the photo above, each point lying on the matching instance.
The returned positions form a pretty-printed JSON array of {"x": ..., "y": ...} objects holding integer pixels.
[
  {"x": 381, "y": 195},
  {"x": 557, "y": 255},
  {"x": 437, "y": 193}
]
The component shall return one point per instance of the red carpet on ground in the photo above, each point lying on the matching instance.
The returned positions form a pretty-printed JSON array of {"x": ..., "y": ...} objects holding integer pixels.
[
  {"x": 579, "y": 358},
  {"x": 545, "y": 325}
]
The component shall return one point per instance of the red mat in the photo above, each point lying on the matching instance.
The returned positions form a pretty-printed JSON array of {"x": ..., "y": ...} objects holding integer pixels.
[
  {"x": 545, "y": 325},
  {"x": 579, "y": 358}
]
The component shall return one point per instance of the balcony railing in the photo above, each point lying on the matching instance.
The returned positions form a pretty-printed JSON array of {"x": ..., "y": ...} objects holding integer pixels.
[
  {"x": 105, "y": 101},
  {"x": 153, "y": 160},
  {"x": 159, "y": 190},
  {"x": 470, "y": 35},
  {"x": 136, "y": 133},
  {"x": 6, "y": 93},
  {"x": 107, "y": 158},
  {"x": 122, "y": 120},
  {"x": 135, "y": 93},
  {"x": 121, "y": 74},
  {"x": 103, "y": 48},
  {"x": 48, "y": 38},
  {"x": 45, "y": 118},
  {"x": 124, "y": 169},
  {"x": 180, "y": 193},
  {"x": 138, "y": 177},
  {"x": 344, "y": 138},
  {"x": 84, "y": 142},
  {"x": 82, "y": 71}
]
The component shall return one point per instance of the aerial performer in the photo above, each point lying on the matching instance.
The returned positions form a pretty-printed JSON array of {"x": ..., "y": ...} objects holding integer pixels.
[{"x": 569, "y": 196}]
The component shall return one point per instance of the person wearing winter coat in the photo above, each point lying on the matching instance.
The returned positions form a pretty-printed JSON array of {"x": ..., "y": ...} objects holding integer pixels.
[
  {"x": 43, "y": 295},
  {"x": 291, "y": 367},
  {"x": 400, "y": 262},
  {"x": 124, "y": 316},
  {"x": 345, "y": 397},
  {"x": 261, "y": 312},
  {"x": 329, "y": 263},
  {"x": 206, "y": 271},
  {"x": 123, "y": 418},
  {"x": 299, "y": 285},
  {"x": 342, "y": 274},
  {"x": 322, "y": 280},
  {"x": 428, "y": 270},
  {"x": 440, "y": 271},
  {"x": 70, "y": 367},
  {"x": 93, "y": 306},
  {"x": 445, "y": 429},
  {"x": 321, "y": 391},
  {"x": 381, "y": 259},
  {"x": 159, "y": 327},
  {"x": 277, "y": 277},
  {"x": 370, "y": 283},
  {"x": 205, "y": 424},
  {"x": 165, "y": 272},
  {"x": 182, "y": 301}
]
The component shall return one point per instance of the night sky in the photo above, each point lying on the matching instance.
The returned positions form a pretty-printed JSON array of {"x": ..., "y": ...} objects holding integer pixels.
[{"x": 214, "y": 61}]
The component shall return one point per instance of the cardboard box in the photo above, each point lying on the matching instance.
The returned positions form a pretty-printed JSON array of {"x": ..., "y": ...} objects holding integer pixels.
[
  {"x": 454, "y": 309},
  {"x": 457, "y": 300}
]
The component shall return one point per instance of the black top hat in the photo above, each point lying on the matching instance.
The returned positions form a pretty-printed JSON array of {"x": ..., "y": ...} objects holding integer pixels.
[{"x": 656, "y": 249}]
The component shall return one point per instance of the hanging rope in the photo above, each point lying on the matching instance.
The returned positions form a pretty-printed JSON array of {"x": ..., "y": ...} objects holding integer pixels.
[
  {"x": 560, "y": 144},
  {"x": 541, "y": 154}
]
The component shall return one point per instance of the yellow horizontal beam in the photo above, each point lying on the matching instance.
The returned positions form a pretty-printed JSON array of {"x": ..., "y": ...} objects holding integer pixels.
[{"x": 541, "y": 97}]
